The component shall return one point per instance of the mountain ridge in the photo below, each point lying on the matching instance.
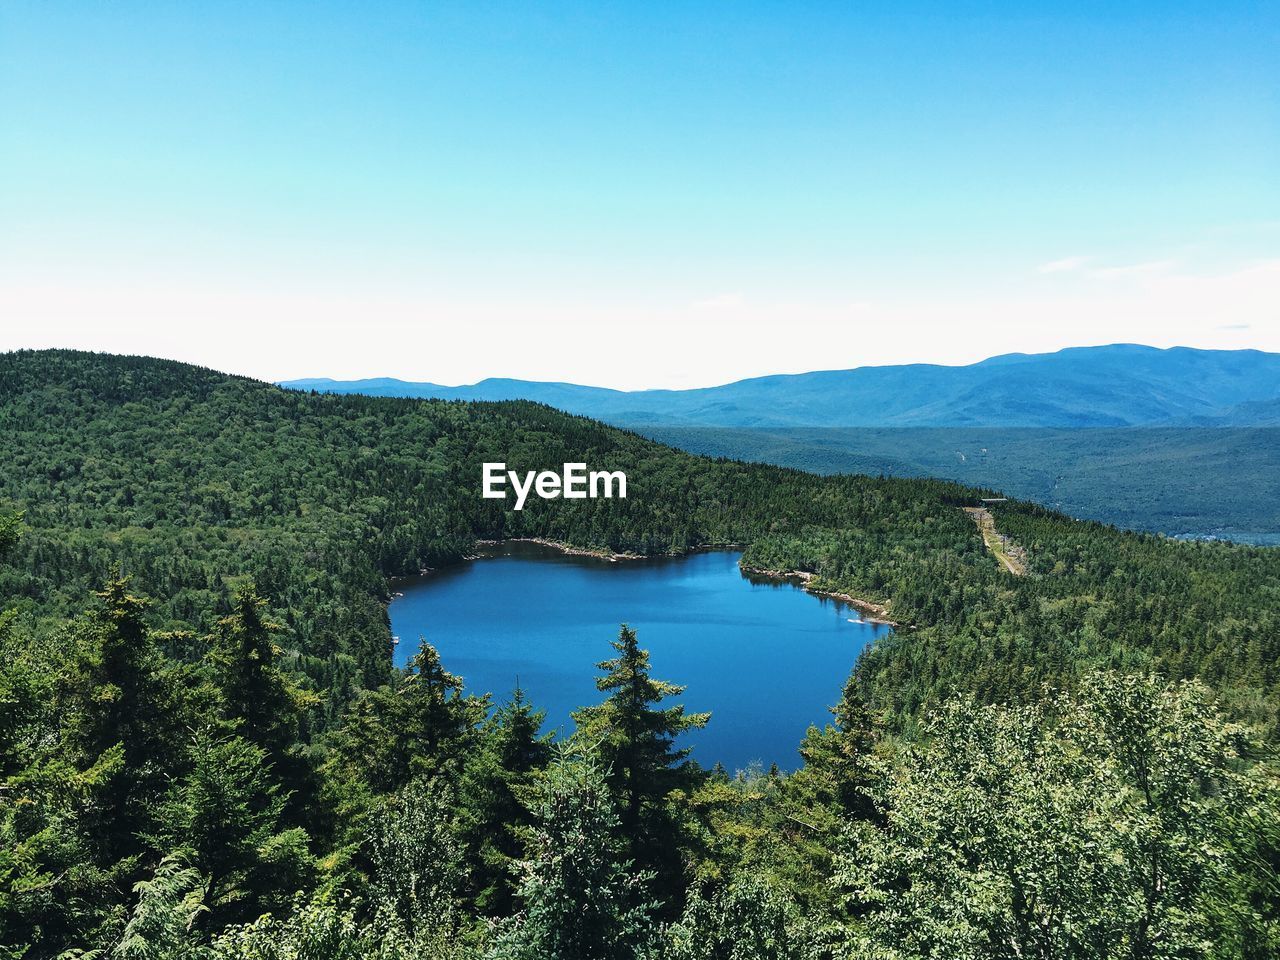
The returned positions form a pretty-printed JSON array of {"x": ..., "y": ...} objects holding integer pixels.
[{"x": 1116, "y": 385}]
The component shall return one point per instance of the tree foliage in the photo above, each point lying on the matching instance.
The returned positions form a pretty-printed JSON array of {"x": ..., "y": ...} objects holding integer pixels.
[
  {"x": 1100, "y": 825},
  {"x": 582, "y": 899}
]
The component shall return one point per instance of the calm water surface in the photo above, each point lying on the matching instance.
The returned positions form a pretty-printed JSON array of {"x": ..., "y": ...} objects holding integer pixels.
[{"x": 765, "y": 658}]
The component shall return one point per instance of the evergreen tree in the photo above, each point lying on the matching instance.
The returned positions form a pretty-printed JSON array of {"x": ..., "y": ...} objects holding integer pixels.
[
  {"x": 841, "y": 769},
  {"x": 636, "y": 739},
  {"x": 268, "y": 704},
  {"x": 116, "y": 695},
  {"x": 259, "y": 701},
  {"x": 417, "y": 727},
  {"x": 513, "y": 750},
  {"x": 20, "y": 686},
  {"x": 582, "y": 900},
  {"x": 226, "y": 816},
  {"x": 52, "y": 892},
  {"x": 838, "y": 785},
  {"x": 56, "y": 888}
]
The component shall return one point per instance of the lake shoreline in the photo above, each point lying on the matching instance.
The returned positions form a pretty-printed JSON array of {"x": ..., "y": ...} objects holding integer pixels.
[
  {"x": 875, "y": 613},
  {"x": 601, "y": 553},
  {"x": 879, "y": 612},
  {"x": 568, "y": 549}
]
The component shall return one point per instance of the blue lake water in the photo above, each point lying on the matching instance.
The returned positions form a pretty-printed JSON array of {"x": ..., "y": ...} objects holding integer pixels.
[{"x": 766, "y": 658}]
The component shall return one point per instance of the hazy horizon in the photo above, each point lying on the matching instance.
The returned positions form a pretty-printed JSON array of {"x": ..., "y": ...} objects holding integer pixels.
[{"x": 320, "y": 378}]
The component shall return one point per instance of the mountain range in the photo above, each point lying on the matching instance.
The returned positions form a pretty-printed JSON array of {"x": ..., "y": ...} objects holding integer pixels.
[{"x": 1120, "y": 385}]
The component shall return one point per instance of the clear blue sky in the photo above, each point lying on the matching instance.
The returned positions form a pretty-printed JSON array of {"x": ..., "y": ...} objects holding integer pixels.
[{"x": 449, "y": 191}]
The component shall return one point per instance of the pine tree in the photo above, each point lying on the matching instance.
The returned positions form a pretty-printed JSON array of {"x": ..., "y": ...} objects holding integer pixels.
[
  {"x": 259, "y": 701},
  {"x": 583, "y": 900},
  {"x": 636, "y": 740},
  {"x": 516, "y": 735},
  {"x": 513, "y": 750},
  {"x": 254, "y": 690},
  {"x": 116, "y": 696},
  {"x": 840, "y": 763},
  {"x": 417, "y": 727},
  {"x": 226, "y": 814}
]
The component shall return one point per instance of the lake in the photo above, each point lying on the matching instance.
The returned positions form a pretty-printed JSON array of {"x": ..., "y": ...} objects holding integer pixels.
[{"x": 765, "y": 657}]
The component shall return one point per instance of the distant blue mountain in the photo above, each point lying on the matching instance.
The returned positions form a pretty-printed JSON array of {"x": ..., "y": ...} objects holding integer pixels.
[{"x": 1120, "y": 385}]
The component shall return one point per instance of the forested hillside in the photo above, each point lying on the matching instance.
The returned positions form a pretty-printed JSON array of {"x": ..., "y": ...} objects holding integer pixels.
[
  {"x": 1212, "y": 482},
  {"x": 204, "y": 750},
  {"x": 1177, "y": 441}
]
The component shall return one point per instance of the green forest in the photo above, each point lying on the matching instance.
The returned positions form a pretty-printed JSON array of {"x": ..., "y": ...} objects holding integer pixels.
[
  {"x": 1194, "y": 482},
  {"x": 205, "y": 751}
]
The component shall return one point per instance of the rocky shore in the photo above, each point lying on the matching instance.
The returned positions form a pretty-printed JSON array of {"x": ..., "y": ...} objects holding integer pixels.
[
  {"x": 566, "y": 548},
  {"x": 872, "y": 612}
]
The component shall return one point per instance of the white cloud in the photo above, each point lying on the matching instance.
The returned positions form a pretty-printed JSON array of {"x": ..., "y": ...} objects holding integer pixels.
[
  {"x": 1065, "y": 265},
  {"x": 720, "y": 302},
  {"x": 1132, "y": 269}
]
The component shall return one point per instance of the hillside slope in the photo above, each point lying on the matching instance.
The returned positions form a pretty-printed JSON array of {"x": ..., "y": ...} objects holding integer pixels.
[
  {"x": 1180, "y": 481},
  {"x": 1156, "y": 440}
]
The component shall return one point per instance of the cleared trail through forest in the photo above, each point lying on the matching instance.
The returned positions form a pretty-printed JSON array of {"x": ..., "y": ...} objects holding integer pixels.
[{"x": 1010, "y": 554}]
